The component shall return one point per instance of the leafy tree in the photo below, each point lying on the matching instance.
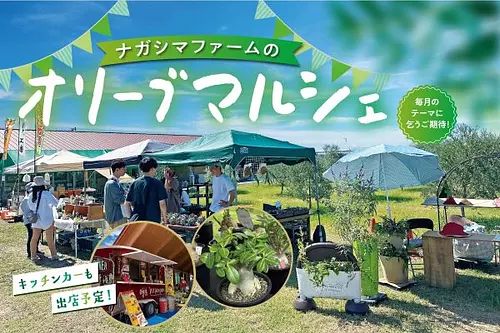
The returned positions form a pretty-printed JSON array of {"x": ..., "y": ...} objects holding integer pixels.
[
  {"x": 477, "y": 178},
  {"x": 298, "y": 181},
  {"x": 352, "y": 204}
]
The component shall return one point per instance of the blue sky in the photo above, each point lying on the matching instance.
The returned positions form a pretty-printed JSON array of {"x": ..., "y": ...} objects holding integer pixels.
[{"x": 32, "y": 30}]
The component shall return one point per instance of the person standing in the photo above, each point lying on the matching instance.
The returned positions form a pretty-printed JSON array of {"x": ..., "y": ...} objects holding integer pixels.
[
  {"x": 43, "y": 204},
  {"x": 114, "y": 195},
  {"x": 172, "y": 187},
  {"x": 223, "y": 188},
  {"x": 146, "y": 199},
  {"x": 26, "y": 212}
]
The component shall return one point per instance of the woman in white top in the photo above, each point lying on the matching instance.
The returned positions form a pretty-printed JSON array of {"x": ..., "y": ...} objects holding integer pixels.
[{"x": 42, "y": 202}]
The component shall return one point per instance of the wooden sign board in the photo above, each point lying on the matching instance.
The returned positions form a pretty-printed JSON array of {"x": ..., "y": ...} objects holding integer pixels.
[{"x": 133, "y": 308}]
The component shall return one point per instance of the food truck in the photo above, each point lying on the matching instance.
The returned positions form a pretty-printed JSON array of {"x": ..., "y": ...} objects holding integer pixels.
[{"x": 149, "y": 276}]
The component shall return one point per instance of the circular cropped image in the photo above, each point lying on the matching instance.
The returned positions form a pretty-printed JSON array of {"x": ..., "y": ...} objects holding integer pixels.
[
  {"x": 152, "y": 269},
  {"x": 243, "y": 256}
]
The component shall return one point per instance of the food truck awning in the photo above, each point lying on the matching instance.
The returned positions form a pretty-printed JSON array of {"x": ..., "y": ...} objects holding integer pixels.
[
  {"x": 149, "y": 258},
  {"x": 154, "y": 238}
]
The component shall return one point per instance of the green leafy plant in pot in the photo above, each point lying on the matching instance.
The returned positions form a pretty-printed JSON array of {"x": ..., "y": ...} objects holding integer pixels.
[
  {"x": 240, "y": 256},
  {"x": 352, "y": 203},
  {"x": 394, "y": 262},
  {"x": 392, "y": 231},
  {"x": 393, "y": 255}
]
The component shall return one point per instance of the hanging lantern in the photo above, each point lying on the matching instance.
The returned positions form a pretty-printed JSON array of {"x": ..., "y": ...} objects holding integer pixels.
[
  {"x": 47, "y": 178},
  {"x": 26, "y": 178}
]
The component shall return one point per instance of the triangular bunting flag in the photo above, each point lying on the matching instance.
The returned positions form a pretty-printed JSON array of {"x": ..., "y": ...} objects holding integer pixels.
[
  {"x": 380, "y": 81},
  {"x": 65, "y": 55},
  {"x": 318, "y": 59},
  {"x": 120, "y": 8},
  {"x": 281, "y": 30},
  {"x": 358, "y": 77},
  {"x": 304, "y": 46},
  {"x": 24, "y": 72},
  {"x": 84, "y": 42},
  {"x": 263, "y": 11},
  {"x": 338, "y": 69},
  {"x": 102, "y": 27},
  {"x": 44, "y": 65},
  {"x": 5, "y": 78}
]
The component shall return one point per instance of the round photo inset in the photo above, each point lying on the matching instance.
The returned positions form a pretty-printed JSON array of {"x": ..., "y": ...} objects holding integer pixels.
[
  {"x": 244, "y": 257},
  {"x": 152, "y": 269}
]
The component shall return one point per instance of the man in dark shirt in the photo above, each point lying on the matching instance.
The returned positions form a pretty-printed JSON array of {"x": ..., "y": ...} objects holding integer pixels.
[{"x": 147, "y": 195}]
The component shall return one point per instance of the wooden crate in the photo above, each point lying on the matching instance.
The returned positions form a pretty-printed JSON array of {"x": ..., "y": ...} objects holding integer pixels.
[
  {"x": 95, "y": 212},
  {"x": 68, "y": 209}
]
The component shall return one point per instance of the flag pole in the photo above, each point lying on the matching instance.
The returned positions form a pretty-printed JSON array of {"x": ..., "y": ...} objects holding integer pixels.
[{"x": 18, "y": 155}]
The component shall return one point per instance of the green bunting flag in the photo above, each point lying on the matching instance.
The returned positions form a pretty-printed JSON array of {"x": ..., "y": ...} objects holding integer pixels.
[
  {"x": 380, "y": 80},
  {"x": 102, "y": 27},
  {"x": 263, "y": 11},
  {"x": 84, "y": 42},
  {"x": 5, "y": 78},
  {"x": 120, "y": 8},
  {"x": 24, "y": 72},
  {"x": 65, "y": 55},
  {"x": 358, "y": 77},
  {"x": 44, "y": 65},
  {"x": 281, "y": 30},
  {"x": 305, "y": 46},
  {"x": 319, "y": 59},
  {"x": 338, "y": 69}
]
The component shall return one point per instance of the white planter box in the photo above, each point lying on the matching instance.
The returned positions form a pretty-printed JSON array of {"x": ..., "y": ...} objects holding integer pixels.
[{"x": 342, "y": 286}]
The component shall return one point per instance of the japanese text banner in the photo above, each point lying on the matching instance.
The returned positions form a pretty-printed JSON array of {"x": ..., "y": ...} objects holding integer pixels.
[
  {"x": 200, "y": 47},
  {"x": 81, "y": 299},
  {"x": 55, "y": 278}
]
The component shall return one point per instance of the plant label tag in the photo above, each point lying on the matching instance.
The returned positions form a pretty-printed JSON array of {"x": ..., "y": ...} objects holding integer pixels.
[{"x": 198, "y": 250}]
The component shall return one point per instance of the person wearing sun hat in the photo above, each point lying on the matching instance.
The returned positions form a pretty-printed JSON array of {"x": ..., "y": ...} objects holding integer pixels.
[
  {"x": 42, "y": 203},
  {"x": 25, "y": 212}
]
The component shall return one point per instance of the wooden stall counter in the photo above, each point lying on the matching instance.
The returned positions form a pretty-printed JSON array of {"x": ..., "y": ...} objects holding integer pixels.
[{"x": 439, "y": 263}]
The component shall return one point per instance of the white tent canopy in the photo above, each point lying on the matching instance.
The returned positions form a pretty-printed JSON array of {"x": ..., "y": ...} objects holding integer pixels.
[
  {"x": 130, "y": 154},
  {"x": 59, "y": 162},
  {"x": 62, "y": 161}
]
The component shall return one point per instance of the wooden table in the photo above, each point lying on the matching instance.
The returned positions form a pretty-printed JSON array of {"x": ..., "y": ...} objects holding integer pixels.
[{"x": 439, "y": 264}]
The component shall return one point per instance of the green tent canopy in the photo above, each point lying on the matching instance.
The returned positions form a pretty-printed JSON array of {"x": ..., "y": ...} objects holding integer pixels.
[{"x": 231, "y": 147}]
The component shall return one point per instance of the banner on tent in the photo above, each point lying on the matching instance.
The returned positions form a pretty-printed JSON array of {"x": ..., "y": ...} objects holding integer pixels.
[
  {"x": 65, "y": 54},
  {"x": 22, "y": 129}
]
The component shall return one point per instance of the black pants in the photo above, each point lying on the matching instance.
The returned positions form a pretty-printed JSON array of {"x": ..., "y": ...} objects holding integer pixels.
[{"x": 30, "y": 235}]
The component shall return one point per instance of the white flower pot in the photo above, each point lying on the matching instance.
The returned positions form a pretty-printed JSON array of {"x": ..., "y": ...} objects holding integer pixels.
[{"x": 341, "y": 286}]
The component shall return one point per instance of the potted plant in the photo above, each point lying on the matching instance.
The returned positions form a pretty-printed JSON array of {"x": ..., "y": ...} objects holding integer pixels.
[
  {"x": 241, "y": 256},
  {"x": 391, "y": 231},
  {"x": 353, "y": 202},
  {"x": 394, "y": 263}
]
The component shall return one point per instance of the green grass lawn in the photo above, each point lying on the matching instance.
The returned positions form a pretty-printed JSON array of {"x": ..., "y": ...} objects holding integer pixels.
[{"x": 473, "y": 306}]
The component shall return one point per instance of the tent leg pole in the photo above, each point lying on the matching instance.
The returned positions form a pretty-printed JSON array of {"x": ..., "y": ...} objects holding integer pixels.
[{"x": 316, "y": 190}]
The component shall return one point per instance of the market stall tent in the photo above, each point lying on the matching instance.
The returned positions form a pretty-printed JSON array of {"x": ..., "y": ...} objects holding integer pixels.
[
  {"x": 59, "y": 162},
  {"x": 231, "y": 147},
  {"x": 131, "y": 154}
]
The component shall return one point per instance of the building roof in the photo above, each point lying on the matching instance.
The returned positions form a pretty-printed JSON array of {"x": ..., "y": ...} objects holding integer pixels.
[{"x": 87, "y": 140}]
